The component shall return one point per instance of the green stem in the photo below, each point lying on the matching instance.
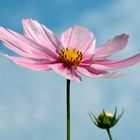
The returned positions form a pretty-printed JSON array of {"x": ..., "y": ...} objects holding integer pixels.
[
  {"x": 68, "y": 108},
  {"x": 109, "y": 134}
]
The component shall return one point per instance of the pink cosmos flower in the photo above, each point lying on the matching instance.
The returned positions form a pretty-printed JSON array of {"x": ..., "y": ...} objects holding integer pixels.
[{"x": 71, "y": 55}]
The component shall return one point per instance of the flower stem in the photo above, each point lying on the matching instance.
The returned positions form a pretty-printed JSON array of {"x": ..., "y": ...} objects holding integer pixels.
[
  {"x": 109, "y": 134},
  {"x": 68, "y": 108}
]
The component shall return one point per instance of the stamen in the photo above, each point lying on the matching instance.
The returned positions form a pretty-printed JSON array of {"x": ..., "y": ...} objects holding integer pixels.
[{"x": 71, "y": 57}]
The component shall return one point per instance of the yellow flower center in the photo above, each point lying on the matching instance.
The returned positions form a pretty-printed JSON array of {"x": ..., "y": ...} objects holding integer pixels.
[{"x": 71, "y": 57}]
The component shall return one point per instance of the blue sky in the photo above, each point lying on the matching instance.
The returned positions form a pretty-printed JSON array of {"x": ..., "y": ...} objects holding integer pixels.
[{"x": 32, "y": 104}]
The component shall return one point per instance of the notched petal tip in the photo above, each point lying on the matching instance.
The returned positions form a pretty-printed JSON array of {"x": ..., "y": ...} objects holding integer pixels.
[
  {"x": 124, "y": 35},
  {"x": 25, "y": 19},
  {"x": 29, "y": 21},
  {"x": 112, "y": 46}
]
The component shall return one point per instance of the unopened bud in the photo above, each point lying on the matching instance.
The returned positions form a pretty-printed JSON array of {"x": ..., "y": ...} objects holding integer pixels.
[{"x": 106, "y": 120}]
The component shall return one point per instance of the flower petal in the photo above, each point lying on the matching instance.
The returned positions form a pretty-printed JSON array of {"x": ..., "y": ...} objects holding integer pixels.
[
  {"x": 41, "y": 65},
  {"x": 80, "y": 38},
  {"x": 91, "y": 71},
  {"x": 112, "y": 46},
  {"x": 39, "y": 33},
  {"x": 23, "y": 46},
  {"x": 117, "y": 64},
  {"x": 66, "y": 72},
  {"x": 77, "y": 76}
]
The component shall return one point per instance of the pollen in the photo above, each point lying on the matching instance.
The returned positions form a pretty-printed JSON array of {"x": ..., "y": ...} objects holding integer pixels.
[{"x": 71, "y": 57}]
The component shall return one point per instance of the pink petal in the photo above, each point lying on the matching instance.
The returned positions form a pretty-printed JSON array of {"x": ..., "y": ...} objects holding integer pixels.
[
  {"x": 99, "y": 67},
  {"x": 23, "y": 46},
  {"x": 77, "y": 76},
  {"x": 91, "y": 71},
  {"x": 80, "y": 38},
  {"x": 41, "y": 65},
  {"x": 39, "y": 33},
  {"x": 112, "y": 46},
  {"x": 123, "y": 63},
  {"x": 66, "y": 72}
]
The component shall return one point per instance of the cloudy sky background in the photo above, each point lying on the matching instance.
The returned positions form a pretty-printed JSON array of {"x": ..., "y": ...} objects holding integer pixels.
[{"x": 32, "y": 104}]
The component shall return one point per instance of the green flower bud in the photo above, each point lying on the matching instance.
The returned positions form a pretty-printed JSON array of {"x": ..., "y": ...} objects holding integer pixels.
[{"x": 105, "y": 120}]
